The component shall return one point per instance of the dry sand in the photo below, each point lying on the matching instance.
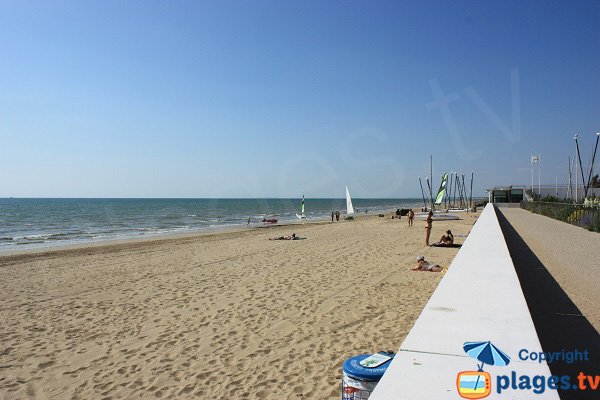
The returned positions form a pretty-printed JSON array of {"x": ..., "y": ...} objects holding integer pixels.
[{"x": 220, "y": 316}]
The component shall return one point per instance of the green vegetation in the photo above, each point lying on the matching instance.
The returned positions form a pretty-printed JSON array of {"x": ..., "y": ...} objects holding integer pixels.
[{"x": 584, "y": 215}]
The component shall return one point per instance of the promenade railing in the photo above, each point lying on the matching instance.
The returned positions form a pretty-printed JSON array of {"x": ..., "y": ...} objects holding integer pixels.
[{"x": 576, "y": 214}]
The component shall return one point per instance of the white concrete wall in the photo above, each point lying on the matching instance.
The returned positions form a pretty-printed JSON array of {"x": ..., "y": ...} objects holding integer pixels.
[{"x": 479, "y": 299}]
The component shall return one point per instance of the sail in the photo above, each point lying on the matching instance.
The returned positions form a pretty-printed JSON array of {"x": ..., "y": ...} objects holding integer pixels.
[
  {"x": 442, "y": 191},
  {"x": 349, "y": 208},
  {"x": 301, "y": 215}
]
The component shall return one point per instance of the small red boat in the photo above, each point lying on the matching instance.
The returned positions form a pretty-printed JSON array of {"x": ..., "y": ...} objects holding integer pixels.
[{"x": 270, "y": 220}]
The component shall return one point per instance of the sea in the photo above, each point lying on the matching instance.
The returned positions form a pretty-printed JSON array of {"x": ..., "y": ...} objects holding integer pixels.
[{"x": 40, "y": 223}]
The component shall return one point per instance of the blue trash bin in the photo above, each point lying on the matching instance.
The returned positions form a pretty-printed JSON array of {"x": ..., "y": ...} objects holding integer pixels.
[{"x": 358, "y": 382}]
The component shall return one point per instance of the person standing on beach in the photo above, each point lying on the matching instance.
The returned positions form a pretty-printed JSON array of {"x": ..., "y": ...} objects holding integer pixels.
[
  {"x": 411, "y": 216},
  {"x": 332, "y": 214},
  {"x": 428, "y": 225}
]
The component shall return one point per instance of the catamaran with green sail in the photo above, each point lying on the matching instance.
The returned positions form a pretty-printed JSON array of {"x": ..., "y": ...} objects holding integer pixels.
[{"x": 301, "y": 215}]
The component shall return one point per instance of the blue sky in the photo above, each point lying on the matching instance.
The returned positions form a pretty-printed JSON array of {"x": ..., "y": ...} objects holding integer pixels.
[{"x": 275, "y": 99}]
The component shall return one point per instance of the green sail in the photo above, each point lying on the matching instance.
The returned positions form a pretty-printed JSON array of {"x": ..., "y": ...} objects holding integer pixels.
[{"x": 442, "y": 191}]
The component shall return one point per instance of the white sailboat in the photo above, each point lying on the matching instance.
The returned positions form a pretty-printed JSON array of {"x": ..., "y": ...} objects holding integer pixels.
[
  {"x": 349, "y": 207},
  {"x": 301, "y": 215}
]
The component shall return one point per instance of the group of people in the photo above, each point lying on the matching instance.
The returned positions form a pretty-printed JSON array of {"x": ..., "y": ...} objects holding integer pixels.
[
  {"x": 446, "y": 240},
  {"x": 410, "y": 215},
  {"x": 422, "y": 264},
  {"x": 336, "y": 215}
]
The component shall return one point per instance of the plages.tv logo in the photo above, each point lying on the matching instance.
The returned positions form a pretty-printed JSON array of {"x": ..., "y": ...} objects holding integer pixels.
[{"x": 478, "y": 384}]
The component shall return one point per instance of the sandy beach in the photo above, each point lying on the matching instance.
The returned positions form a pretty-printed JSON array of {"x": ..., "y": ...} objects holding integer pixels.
[{"x": 215, "y": 316}]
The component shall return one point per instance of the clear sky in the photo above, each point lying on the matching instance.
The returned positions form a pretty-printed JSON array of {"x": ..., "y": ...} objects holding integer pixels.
[{"x": 279, "y": 98}]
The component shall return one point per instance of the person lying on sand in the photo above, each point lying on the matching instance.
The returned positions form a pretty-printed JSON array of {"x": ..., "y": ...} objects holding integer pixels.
[
  {"x": 292, "y": 237},
  {"x": 446, "y": 240},
  {"x": 423, "y": 265}
]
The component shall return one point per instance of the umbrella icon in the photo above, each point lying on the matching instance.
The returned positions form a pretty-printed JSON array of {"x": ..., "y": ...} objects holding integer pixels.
[{"x": 487, "y": 353}]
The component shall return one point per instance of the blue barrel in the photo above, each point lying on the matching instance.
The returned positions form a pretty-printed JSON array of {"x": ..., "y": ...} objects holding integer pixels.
[{"x": 358, "y": 382}]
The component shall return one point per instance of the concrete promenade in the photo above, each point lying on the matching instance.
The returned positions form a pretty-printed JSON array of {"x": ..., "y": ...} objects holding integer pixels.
[
  {"x": 479, "y": 299},
  {"x": 559, "y": 270}
]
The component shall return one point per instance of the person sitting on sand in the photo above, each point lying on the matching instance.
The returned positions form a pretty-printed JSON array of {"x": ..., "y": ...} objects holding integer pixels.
[
  {"x": 423, "y": 265},
  {"x": 446, "y": 240},
  {"x": 292, "y": 237}
]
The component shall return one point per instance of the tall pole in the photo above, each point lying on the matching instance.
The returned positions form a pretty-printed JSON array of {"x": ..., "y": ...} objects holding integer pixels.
[
  {"x": 465, "y": 190},
  {"x": 471, "y": 194},
  {"x": 457, "y": 191},
  {"x": 456, "y": 183},
  {"x": 532, "y": 175},
  {"x": 429, "y": 187},
  {"x": 576, "y": 180},
  {"x": 445, "y": 192},
  {"x": 539, "y": 176},
  {"x": 450, "y": 191},
  {"x": 422, "y": 193},
  {"x": 580, "y": 164},
  {"x": 576, "y": 167},
  {"x": 431, "y": 181},
  {"x": 592, "y": 166},
  {"x": 570, "y": 192}
]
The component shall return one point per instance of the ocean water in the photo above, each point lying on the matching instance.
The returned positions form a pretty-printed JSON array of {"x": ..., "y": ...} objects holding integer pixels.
[{"x": 34, "y": 223}]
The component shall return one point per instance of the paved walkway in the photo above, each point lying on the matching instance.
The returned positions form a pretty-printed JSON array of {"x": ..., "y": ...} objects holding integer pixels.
[
  {"x": 571, "y": 254},
  {"x": 559, "y": 270}
]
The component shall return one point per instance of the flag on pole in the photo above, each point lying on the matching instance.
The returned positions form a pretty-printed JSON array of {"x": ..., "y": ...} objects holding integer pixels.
[{"x": 535, "y": 159}]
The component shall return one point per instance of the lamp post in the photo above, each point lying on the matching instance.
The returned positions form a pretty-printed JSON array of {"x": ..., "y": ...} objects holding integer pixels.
[{"x": 532, "y": 175}]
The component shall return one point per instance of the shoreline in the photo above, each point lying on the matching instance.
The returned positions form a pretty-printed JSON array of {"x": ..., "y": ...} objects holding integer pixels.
[
  {"x": 48, "y": 223},
  {"x": 66, "y": 247},
  {"x": 220, "y": 315},
  {"x": 83, "y": 244}
]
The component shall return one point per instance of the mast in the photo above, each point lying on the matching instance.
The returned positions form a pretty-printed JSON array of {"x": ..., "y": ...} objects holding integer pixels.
[
  {"x": 464, "y": 191},
  {"x": 455, "y": 188},
  {"x": 471, "y": 193},
  {"x": 576, "y": 177},
  {"x": 580, "y": 165},
  {"x": 450, "y": 192},
  {"x": 592, "y": 165},
  {"x": 429, "y": 187},
  {"x": 422, "y": 193},
  {"x": 570, "y": 190},
  {"x": 540, "y": 176},
  {"x": 431, "y": 180}
]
